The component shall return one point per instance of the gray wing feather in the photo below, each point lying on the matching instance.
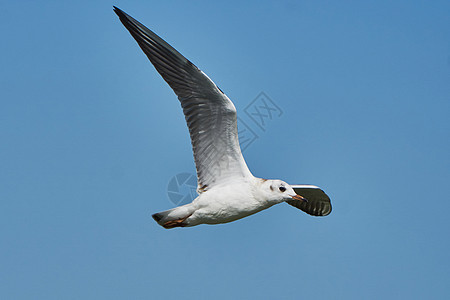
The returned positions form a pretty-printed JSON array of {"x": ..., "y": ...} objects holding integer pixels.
[
  {"x": 318, "y": 204},
  {"x": 210, "y": 115}
]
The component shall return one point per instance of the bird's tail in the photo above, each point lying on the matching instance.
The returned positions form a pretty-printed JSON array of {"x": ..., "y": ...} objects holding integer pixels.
[{"x": 175, "y": 217}]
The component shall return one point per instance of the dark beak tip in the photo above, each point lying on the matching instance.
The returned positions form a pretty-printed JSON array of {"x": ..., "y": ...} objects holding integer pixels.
[{"x": 300, "y": 198}]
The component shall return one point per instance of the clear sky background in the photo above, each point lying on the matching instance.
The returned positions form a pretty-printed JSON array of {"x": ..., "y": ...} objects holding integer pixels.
[{"x": 91, "y": 135}]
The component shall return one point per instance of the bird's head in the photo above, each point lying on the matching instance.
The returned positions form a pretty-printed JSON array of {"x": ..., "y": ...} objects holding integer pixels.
[{"x": 277, "y": 191}]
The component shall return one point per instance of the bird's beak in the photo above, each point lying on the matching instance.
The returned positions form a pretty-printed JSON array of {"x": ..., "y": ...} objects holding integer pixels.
[{"x": 298, "y": 197}]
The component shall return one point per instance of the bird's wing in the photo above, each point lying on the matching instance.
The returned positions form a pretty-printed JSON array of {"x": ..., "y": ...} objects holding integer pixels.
[
  {"x": 318, "y": 203},
  {"x": 210, "y": 115}
]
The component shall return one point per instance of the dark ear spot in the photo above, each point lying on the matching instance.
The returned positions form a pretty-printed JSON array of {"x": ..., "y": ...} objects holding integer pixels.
[{"x": 271, "y": 188}]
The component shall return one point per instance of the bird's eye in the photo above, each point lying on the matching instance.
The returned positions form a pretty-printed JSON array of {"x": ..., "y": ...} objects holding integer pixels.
[{"x": 282, "y": 188}]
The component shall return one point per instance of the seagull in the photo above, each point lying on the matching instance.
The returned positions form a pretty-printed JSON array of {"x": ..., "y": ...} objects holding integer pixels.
[{"x": 227, "y": 189}]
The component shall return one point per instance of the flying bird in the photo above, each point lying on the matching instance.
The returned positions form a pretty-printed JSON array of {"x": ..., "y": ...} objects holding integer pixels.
[{"x": 227, "y": 189}]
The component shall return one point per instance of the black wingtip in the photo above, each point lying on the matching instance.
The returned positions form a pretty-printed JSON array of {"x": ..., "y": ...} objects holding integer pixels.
[
  {"x": 157, "y": 217},
  {"x": 319, "y": 203},
  {"x": 118, "y": 11}
]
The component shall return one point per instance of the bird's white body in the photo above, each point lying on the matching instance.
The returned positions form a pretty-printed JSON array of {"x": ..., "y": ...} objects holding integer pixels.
[{"x": 227, "y": 203}]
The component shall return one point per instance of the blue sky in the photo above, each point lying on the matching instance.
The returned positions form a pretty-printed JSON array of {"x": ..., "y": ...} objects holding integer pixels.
[{"x": 91, "y": 136}]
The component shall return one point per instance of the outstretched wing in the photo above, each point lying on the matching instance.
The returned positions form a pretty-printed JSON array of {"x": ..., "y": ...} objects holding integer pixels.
[
  {"x": 318, "y": 204},
  {"x": 210, "y": 115}
]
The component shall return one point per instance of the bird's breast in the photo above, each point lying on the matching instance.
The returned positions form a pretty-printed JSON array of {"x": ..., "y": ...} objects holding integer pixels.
[{"x": 222, "y": 206}]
